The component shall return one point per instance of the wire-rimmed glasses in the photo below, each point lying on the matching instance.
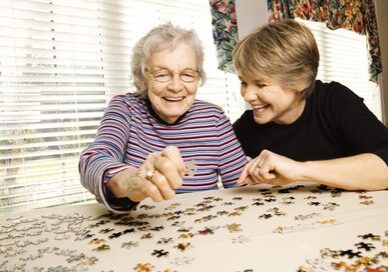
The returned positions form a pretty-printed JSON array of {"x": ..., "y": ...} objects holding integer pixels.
[{"x": 165, "y": 75}]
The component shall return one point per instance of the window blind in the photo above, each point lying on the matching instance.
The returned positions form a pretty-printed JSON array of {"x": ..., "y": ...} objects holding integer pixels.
[
  {"x": 60, "y": 64},
  {"x": 344, "y": 58}
]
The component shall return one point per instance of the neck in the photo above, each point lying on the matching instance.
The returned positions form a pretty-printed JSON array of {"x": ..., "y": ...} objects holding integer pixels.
[{"x": 293, "y": 113}]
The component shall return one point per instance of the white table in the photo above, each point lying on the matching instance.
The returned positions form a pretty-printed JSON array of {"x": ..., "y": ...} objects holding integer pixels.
[{"x": 246, "y": 229}]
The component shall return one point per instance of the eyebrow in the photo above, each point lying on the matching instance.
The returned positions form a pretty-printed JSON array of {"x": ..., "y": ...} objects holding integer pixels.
[
  {"x": 158, "y": 68},
  {"x": 260, "y": 81}
]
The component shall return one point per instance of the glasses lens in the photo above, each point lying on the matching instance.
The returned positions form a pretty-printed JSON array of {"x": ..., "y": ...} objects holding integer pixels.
[
  {"x": 163, "y": 76},
  {"x": 188, "y": 76}
]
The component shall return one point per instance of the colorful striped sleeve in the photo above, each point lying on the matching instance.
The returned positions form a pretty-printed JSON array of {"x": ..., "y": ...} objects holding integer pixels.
[
  {"x": 104, "y": 157},
  {"x": 232, "y": 158}
]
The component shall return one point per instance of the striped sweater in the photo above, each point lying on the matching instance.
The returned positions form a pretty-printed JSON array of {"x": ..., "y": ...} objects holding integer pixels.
[{"x": 130, "y": 131}]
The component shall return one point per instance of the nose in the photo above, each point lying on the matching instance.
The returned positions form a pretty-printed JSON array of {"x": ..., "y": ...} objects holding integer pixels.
[
  {"x": 175, "y": 84},
  {"x": 249, "y": 93}
]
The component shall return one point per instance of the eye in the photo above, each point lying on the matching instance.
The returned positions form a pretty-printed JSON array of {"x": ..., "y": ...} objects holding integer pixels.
[
  {"x": 188, "y": 76},
  {"x": 162, "y": 76},
  {"x": 243, "y": 83},
  {"x": 261, "y": 85}
]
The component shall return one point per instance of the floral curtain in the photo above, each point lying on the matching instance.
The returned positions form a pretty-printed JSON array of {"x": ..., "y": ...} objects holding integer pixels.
[
  {"x": 355, "y": 15},
  {"x": 224, "y": 31}
]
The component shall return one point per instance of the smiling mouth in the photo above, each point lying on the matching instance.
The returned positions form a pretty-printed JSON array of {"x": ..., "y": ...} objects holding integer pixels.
[
  {"x": 260, "y": 108},
  {"x": 174, "y": 99}
]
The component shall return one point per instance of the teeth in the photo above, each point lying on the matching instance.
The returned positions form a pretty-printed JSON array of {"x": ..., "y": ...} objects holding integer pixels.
[
  {"x": 259, "y": 107},
  {"x": 173, "y": 98}
]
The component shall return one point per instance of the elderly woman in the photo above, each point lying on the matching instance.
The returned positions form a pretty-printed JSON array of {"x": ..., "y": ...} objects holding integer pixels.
[
  {"x": 300, "y": 128},
  {"x": 161, "y": 140}
]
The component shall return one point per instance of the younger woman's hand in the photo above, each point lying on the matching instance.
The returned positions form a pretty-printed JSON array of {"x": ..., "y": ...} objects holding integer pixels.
[{"x": 271, "y": 168}]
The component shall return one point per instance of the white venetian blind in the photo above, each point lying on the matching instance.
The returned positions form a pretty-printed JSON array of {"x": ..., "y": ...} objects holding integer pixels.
[
  {"x": 61, "y": 61},
  {"x": 344, "y": 58}
]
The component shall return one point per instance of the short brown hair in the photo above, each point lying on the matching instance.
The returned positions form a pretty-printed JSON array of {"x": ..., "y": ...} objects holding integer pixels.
[{"x": 285, "y": 51}]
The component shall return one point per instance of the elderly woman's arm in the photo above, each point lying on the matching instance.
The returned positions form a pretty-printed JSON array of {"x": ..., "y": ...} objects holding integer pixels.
[
  {"x": 231, "y": 156},
  {"x": 104, "y": 157},
  {"x": 116, "y": 184}
]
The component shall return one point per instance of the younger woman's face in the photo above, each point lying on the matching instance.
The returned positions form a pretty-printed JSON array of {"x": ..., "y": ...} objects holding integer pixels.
[{"x": 270, "y": 101}]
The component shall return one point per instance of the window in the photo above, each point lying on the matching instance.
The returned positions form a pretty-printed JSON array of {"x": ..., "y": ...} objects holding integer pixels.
[
  {"x": 60, "y": 64},
  {"x": 343, "y": 58}
]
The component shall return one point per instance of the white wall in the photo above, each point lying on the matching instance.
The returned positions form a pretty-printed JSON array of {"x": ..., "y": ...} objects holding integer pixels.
[{"x": 250, "y": 14}]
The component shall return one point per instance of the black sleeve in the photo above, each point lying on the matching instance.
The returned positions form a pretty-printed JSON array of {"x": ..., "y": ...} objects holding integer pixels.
[
  {"x": 237, "y": 126},
  {"x": 358, "y": 127}
]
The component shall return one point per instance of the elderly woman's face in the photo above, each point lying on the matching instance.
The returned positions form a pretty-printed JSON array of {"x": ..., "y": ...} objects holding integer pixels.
[{"x": 172, "y": 81}]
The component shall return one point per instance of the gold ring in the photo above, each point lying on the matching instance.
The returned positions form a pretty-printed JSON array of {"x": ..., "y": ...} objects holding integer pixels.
[{"x": 149, "y": 174}]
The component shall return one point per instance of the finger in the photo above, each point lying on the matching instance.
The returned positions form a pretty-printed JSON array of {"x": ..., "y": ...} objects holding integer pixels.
[
  {"x": 253, "y": 171},
  {"x": 256, "y": 173},
  {"x": 266, "y": 174},
  {"x": 150, "y": 190},
  {"x": 252, "y": 175},
  {"x": 265, "y": 166},
  {"x": 174, "y": 155},
  {"x": 252, "y": 165},
  {"x": 148, "y": 164},
  {"x": 256, "y": 178},
  {"x": 261, "y": 169},
  {"x": 262, "y": 158},
  {"x": 261, "y": 162},
  {"x": 262, "y": 174},
  {"x": 248, "y": 181},
  {"x": 244, "y": 175},
  {"x": 162, "y": 185},
  {"x": 168, "y": 169}
]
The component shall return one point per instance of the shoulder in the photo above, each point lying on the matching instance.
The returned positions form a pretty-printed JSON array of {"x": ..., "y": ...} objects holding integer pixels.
[
  {"x": 333, "y": 98},
  {"x": 334, "y": 92},
  {"x": 128, "y": 97},
  {"x": 201, "y": 107},
  {"x": 337, "y": 102},
  {"x": 130, "y": 101},
  {"x": 244, "y": 120},
  {"x": 206, "y": 115}
]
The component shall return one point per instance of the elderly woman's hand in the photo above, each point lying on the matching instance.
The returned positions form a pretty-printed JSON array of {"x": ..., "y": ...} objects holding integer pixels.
[
  {"x": 273, "y": 169},
  {"x": 157, "y": 178}
]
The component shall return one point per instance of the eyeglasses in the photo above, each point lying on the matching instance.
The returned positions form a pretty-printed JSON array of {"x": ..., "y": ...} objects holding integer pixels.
[{"x": 164, "y": 75}]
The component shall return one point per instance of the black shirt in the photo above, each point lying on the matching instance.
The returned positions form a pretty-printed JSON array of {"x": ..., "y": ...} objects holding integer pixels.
[{"x": 335, "y": 123}]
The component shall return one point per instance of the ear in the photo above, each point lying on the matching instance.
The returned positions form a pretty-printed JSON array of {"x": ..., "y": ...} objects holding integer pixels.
[
  {"x": 298, "y": 88},
  {"x": 301, "y": 93},
  {"x": 143, "y": 86}
]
